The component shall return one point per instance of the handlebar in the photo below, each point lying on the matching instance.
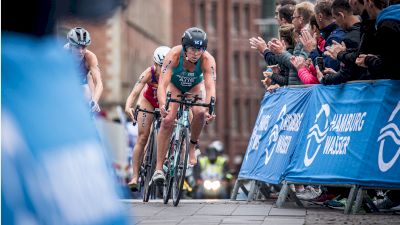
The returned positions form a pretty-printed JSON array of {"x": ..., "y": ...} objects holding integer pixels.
[
  {"x": 191, "y": 101},
  {"x": 156, "y": 113}
]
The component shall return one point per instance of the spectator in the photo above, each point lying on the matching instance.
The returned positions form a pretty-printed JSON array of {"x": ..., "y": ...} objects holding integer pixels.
[
  {"x": 278, "y": 5},
  {"x": 302, "y": 15},
  {"x": 357, "y": 6},
  {"x": 305, "y": 68},
  {"x": 384, "y": 63},
  {"x": 315, "y": 31},
  {"x": 285, "y": 14},
  {"x": 368, "y": 43},
  {"x": 301, "y": 19},
  {"x": 345, "y": 18},
  {"x": 280, "y": 74},
  {"x": 329, "y": 30}
]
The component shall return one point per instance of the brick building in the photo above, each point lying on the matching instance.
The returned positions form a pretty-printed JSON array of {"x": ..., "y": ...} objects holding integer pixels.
[{"x": 125, "y": 43}]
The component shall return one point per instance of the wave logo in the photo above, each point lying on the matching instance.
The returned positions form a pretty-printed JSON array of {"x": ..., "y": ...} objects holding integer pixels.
[
  {"x": 318, "y": 135},
  {"x": 260, "y": 127},
  {"x": 273, "y": 138},
  {"x": 390, "y": 130}
]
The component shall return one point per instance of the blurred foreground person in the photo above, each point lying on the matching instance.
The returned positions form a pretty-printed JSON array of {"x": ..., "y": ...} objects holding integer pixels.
[{"x": 53, "y": 165}]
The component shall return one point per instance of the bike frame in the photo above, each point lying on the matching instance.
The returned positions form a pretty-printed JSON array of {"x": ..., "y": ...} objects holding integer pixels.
[
  {"x": 182, "y": 127},
  {"x": 183, "y": 122}
]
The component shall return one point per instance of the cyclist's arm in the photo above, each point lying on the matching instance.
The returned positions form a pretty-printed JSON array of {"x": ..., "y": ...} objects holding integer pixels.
[
  {"x": 171, "y": 60},
  {"x": 210, "y": 76},
  {"x": 137, "y": 89},
  {"x": 95, "y": 76}
]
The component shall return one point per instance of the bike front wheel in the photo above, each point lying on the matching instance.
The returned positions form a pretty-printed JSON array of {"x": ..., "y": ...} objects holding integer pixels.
[
  {"x": 181, "y": 152},
  {"x": 150, "y": 164},
  {"x": 168, "y": 173}
]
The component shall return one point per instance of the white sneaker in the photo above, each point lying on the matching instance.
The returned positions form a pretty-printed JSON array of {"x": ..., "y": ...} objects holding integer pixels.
[
  {"x": 309, "y": 194},
  {"x": 158, "y": 177}
]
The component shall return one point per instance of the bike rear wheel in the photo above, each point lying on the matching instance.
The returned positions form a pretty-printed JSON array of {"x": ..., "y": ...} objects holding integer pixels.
[
  {"x": 150, "y": 164},
  {"x": 182, "y": 150}
]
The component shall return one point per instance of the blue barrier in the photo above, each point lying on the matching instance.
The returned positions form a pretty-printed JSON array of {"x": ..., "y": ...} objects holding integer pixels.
[
  {"x": 275, "y": 135},
  {"x": 343, "y": 134}
]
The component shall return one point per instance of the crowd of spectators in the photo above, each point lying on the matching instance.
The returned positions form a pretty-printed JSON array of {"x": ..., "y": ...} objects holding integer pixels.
[
  {"x": 348, "y": 40},
  {"x": 332, "y": 42}
]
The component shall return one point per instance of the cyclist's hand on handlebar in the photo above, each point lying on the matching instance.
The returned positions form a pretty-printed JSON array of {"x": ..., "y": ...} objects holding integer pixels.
[
  {"x": 209, "y": 118},
  {"x": 129, "y": 112},
  {"x": 94, "y": 106},
  {"x": 163, "y": 111}
]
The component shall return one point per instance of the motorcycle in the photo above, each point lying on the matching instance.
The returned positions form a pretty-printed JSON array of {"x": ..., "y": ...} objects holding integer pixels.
[{"x": 212, "y": 185}]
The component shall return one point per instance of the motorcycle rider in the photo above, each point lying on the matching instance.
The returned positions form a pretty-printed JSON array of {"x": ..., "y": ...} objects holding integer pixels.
[{"x": 212, "y": 173}]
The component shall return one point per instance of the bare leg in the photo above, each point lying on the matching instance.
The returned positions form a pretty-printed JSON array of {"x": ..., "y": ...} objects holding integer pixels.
[
  {"x": 197, "y": 123},
  {"x": 144, "y": 125},
  {"x": 164, "y": 134}
]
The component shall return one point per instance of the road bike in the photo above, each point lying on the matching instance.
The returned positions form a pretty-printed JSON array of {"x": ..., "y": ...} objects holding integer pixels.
[
  {"x": 148, "y": 165},
  {"x": 177, "y": 156}
]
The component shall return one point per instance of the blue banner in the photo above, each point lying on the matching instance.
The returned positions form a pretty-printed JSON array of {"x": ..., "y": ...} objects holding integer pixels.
[
  {"x": 275, "y": 135},
  {"x": 350, "y": 136},
  {"x": 344, "y": 134}
]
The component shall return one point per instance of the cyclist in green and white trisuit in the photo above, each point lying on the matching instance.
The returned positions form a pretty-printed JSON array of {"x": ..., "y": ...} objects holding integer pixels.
[{"x": 187, "y": 68}]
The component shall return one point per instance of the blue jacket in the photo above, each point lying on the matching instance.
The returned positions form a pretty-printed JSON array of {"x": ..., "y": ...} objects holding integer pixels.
[
  {"x": 329, "y": 33},
  {"x": 390, "y": 13}
]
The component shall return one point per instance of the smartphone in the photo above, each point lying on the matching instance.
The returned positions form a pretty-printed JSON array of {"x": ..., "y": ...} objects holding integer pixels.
[{"x": 320, "y": 63}]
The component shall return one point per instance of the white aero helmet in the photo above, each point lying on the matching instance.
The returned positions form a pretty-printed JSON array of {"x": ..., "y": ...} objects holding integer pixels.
[
  {"x": 79, "y": 36},
  {"x": 160, "y": 53}
]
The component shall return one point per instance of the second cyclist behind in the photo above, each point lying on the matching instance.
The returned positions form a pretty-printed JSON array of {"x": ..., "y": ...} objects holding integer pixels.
[{"x": 148, "y": 101}]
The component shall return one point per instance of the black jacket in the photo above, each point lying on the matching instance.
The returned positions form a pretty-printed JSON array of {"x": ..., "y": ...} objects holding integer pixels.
[
  {"x": 368, "y": 44},
  {"x": 348, "y": 71},
  {"x": 386, "y": 64},
  {"x": 283, "y": 77}
]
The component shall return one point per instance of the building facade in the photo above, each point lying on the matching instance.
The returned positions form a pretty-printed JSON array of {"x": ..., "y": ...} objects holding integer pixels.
[
  {"x": 125, "y": 44},
  {"x": 229, "y": 25}
]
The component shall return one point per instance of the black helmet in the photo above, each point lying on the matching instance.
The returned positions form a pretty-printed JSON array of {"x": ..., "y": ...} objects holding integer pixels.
[
  {"x": 79, "y": 36},
  {"x": 194, "y": 37}
]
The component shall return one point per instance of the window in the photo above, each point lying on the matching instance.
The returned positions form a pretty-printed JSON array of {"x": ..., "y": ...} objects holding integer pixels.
[
  {"x": 247, "y": 123},
  {"x": 235, "y": 116},
  {"x": 214, "y": 53},
  {"x": 246, "y": 17},
  {"x": 235, "y": 19},
  {"x": 269, "y": 29},
  {"x": 202, "y": 15},
  {"x": 246, "y": 67},
  {"x": 213, "y": 17},
  {"x": 256, "y": 107},
  {"x": 235, "y": 66}
]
